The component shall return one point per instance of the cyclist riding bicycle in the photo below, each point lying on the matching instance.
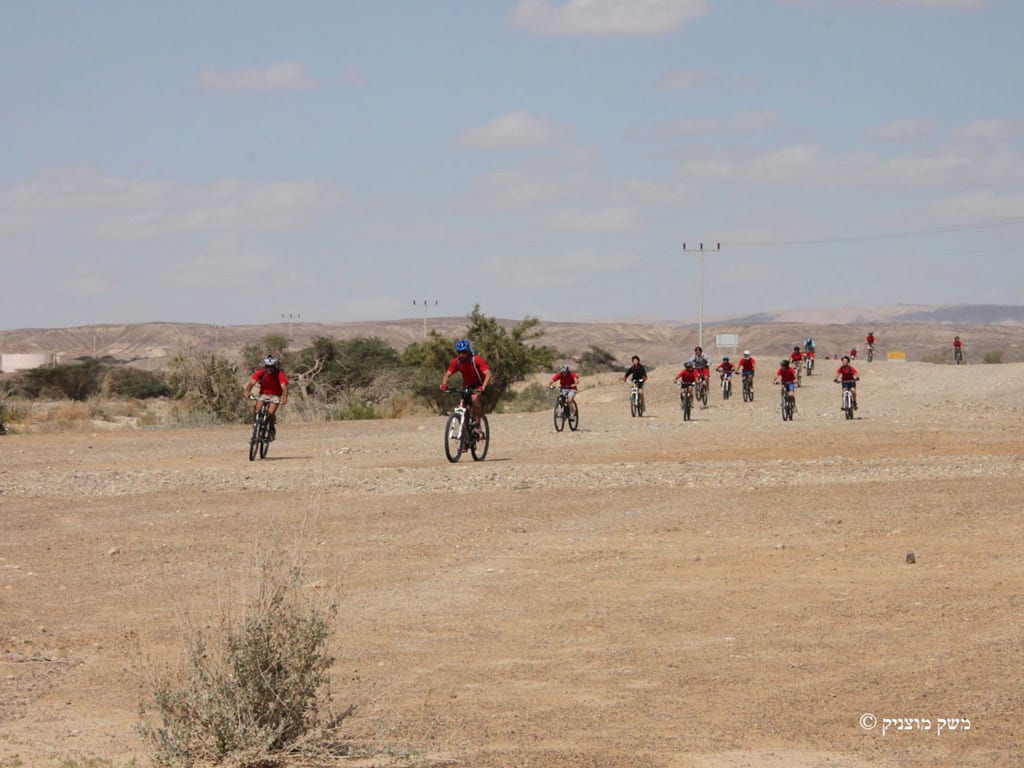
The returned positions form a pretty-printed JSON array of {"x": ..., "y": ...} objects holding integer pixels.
[
  {"x": 567, "y": 380},
  {"x": 796, "y": 357},
  {"x": 686, "y": 378},
  {"x": 848, "y": 374},
  {"x": 958, "y": 349},
  {"x": 701, "y": 364},
  {"x": 870, "y": 339},
  {"x": 786, "y": 376},
  {"x": 725, "y": 368},
  {"x": 809, "y": 346},
  {"x": 746, "y": 366},
  {"x": 475, "y": 373},
  {"x": 272, "y": 382},
  {"x": 639, "y": 375}
]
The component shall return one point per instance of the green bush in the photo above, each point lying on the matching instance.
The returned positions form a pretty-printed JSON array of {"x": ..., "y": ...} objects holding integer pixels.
[
  {"x": 995, "y": 357},
  {"x": 137, "y": 383},
  {"x": 249, "y": 690},
  {"x": 596, "y": 360},
  {"x": 533, "y": 397}
]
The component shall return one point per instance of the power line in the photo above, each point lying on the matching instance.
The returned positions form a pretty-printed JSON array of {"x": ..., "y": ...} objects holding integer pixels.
[{"x": 1008, "y": 222}]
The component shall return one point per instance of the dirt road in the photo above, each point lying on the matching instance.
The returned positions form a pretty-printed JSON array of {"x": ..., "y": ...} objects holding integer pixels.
[{"x": 732, "y": 591}]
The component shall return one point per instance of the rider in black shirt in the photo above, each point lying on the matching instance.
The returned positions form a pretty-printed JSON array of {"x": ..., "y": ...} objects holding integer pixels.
[{"x": 639, "y": 375}]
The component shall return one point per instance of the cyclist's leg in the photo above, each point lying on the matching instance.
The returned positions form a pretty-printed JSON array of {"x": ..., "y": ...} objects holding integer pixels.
[{"x": 476, "y": 409}]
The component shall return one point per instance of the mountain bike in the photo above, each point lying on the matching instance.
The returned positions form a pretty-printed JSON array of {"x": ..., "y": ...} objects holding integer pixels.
[
  {"x": 726, "y": 386},
  {"x": 958, "y": 355},
  {"x": 748, "y": 389},
  {"x": 259, "y": 442},
  {"x": 566, "y": 410},
  {"x": 700, "y": 391},
  {"x": 461, "y": 430},
  {"x": 808, "y": 364},
  {"x": 787, "y": 404},
  {"x": 871, "y": 352},
  {"x": 848, "y": 406},
  {"x": 636, "y": 403},
  {"x": 685, "y": 401}
]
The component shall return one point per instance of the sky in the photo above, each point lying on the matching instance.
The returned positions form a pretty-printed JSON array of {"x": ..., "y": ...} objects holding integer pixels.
[{"x": 244, "y": 161}]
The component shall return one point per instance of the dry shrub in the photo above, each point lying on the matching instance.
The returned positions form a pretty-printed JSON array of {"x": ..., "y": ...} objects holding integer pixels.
[{"x": 251, "y": 690}]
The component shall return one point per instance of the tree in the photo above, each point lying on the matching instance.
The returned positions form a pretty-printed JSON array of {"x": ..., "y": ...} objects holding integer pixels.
[{"x": 210, "y": 384}]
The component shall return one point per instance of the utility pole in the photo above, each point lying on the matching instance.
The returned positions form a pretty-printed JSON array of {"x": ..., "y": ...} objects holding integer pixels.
[
  {"x": 700, "y": 288},
  {"x": 426, "y": 305},
  {"x": 289, "y": 316}
]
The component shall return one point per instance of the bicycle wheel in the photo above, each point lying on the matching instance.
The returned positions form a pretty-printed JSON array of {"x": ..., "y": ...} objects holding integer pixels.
[
  {"x": 704, "y": 394},
  {"x": 640, "y": 407},
  {"x": 453, "y": 437},
  {"x": 634, "y": 405},
  {"x": 848, "y": 404},
  {"x": 726, "y": 389},
  {"x": 687, "y": 408},
  {"x": 559, "y": 415},
  {"x": 264, "y": 437},
  {"x": 574, "y": 416},
  {"x": 478, "y": 445},
  {"x": 254, "y": 441}
]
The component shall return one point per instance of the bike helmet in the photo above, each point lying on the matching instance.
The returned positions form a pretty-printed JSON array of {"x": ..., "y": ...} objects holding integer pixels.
[
  {"x": 796, "y": 348},
  {"x": 564, "y": 369},
  {"x": 463, "y": 345},
  {"x": 725, "y": 359},
  {"x": 688, "y": 365},
  {"x": 746, "y": 353},
  {"x": 846, "y": 358},
  {"x": 784, "y": 363},
  {"x": 270, "y": 361},
  {"x": 698, "y": 349}
]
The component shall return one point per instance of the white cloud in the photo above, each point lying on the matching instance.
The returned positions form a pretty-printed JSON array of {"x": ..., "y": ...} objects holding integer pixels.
[
  {"x": 973, "y": 207},
  {"x": 942, "y": 3},
  {"x": 516, "y": 189},
  {"x": 606, "y": 17},
  {"x": 906, "y": 129},
  {"x": 143, "y": 209},
  {"x": 994, "y": 129},
  {"x": 807, "y": 165},
  {"x": 563, "y": 270},
  {"x": 515, "y": 129},
  {"x": 285, "y": 75},
  {"x": 615, "y": 219},
  {"x": 677, "y": 81}
]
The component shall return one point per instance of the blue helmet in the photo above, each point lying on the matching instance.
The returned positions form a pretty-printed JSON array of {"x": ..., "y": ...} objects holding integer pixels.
[{"x": 462, "y": 345}]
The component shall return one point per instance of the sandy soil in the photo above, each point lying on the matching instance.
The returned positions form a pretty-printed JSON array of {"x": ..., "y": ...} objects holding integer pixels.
[{"x": 732, "y": 591}]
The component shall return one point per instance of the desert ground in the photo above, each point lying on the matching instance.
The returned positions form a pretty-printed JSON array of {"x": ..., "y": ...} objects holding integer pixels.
[{"x": 642, "y": 593}]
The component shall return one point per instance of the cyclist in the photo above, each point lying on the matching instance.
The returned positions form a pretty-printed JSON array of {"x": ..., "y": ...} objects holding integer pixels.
[
  {"x": 746, "y": 366},
  {"x": 701, "y": 364},
  {"x": 849, "y": 377},
  {"x": 725, "y": 368},
  {"x": 639, "y": 375},
  {"x": 475, "y": 373},
  {"x": 870, "y": 339},
  {"x": 853, "y": 354},
  {"x": 809, "y": 350},
  {"x": 272, "y": 382},
  {"x": 568, "y": 380},
  {"x": 686, "y": 378},
  {"x": 958, "y": 349},
  {"x": 786, "y": 376}
]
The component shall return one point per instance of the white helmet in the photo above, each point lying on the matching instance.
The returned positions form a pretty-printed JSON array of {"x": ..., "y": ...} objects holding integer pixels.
[{"x": 746, "y": 353}]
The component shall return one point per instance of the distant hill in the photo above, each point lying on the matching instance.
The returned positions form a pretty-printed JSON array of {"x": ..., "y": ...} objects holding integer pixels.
[{"x": 923, "y": 333}]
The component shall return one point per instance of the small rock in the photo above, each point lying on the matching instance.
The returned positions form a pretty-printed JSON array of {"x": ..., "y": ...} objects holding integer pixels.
[{"x": 910, "y": 558}]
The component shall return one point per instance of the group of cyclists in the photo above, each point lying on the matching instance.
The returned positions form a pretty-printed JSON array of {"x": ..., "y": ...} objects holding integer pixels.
[{"x": 476, "y": 374}]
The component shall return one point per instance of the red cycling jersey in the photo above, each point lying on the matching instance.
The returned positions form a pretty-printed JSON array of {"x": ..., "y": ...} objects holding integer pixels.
[
  {"x": 687, "y": 376},
  {"x": 270, "y": 384},
  {"x": 796, "y": 356},
  {"x": 566, "y": 380},
  {"x": 726, "y": 367},
  {"x": 746, "y": 364},
  {"x": 846, "y": 372},
  {"x": 472, "y": 370},
  {"x": 787, "y": 374}
]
